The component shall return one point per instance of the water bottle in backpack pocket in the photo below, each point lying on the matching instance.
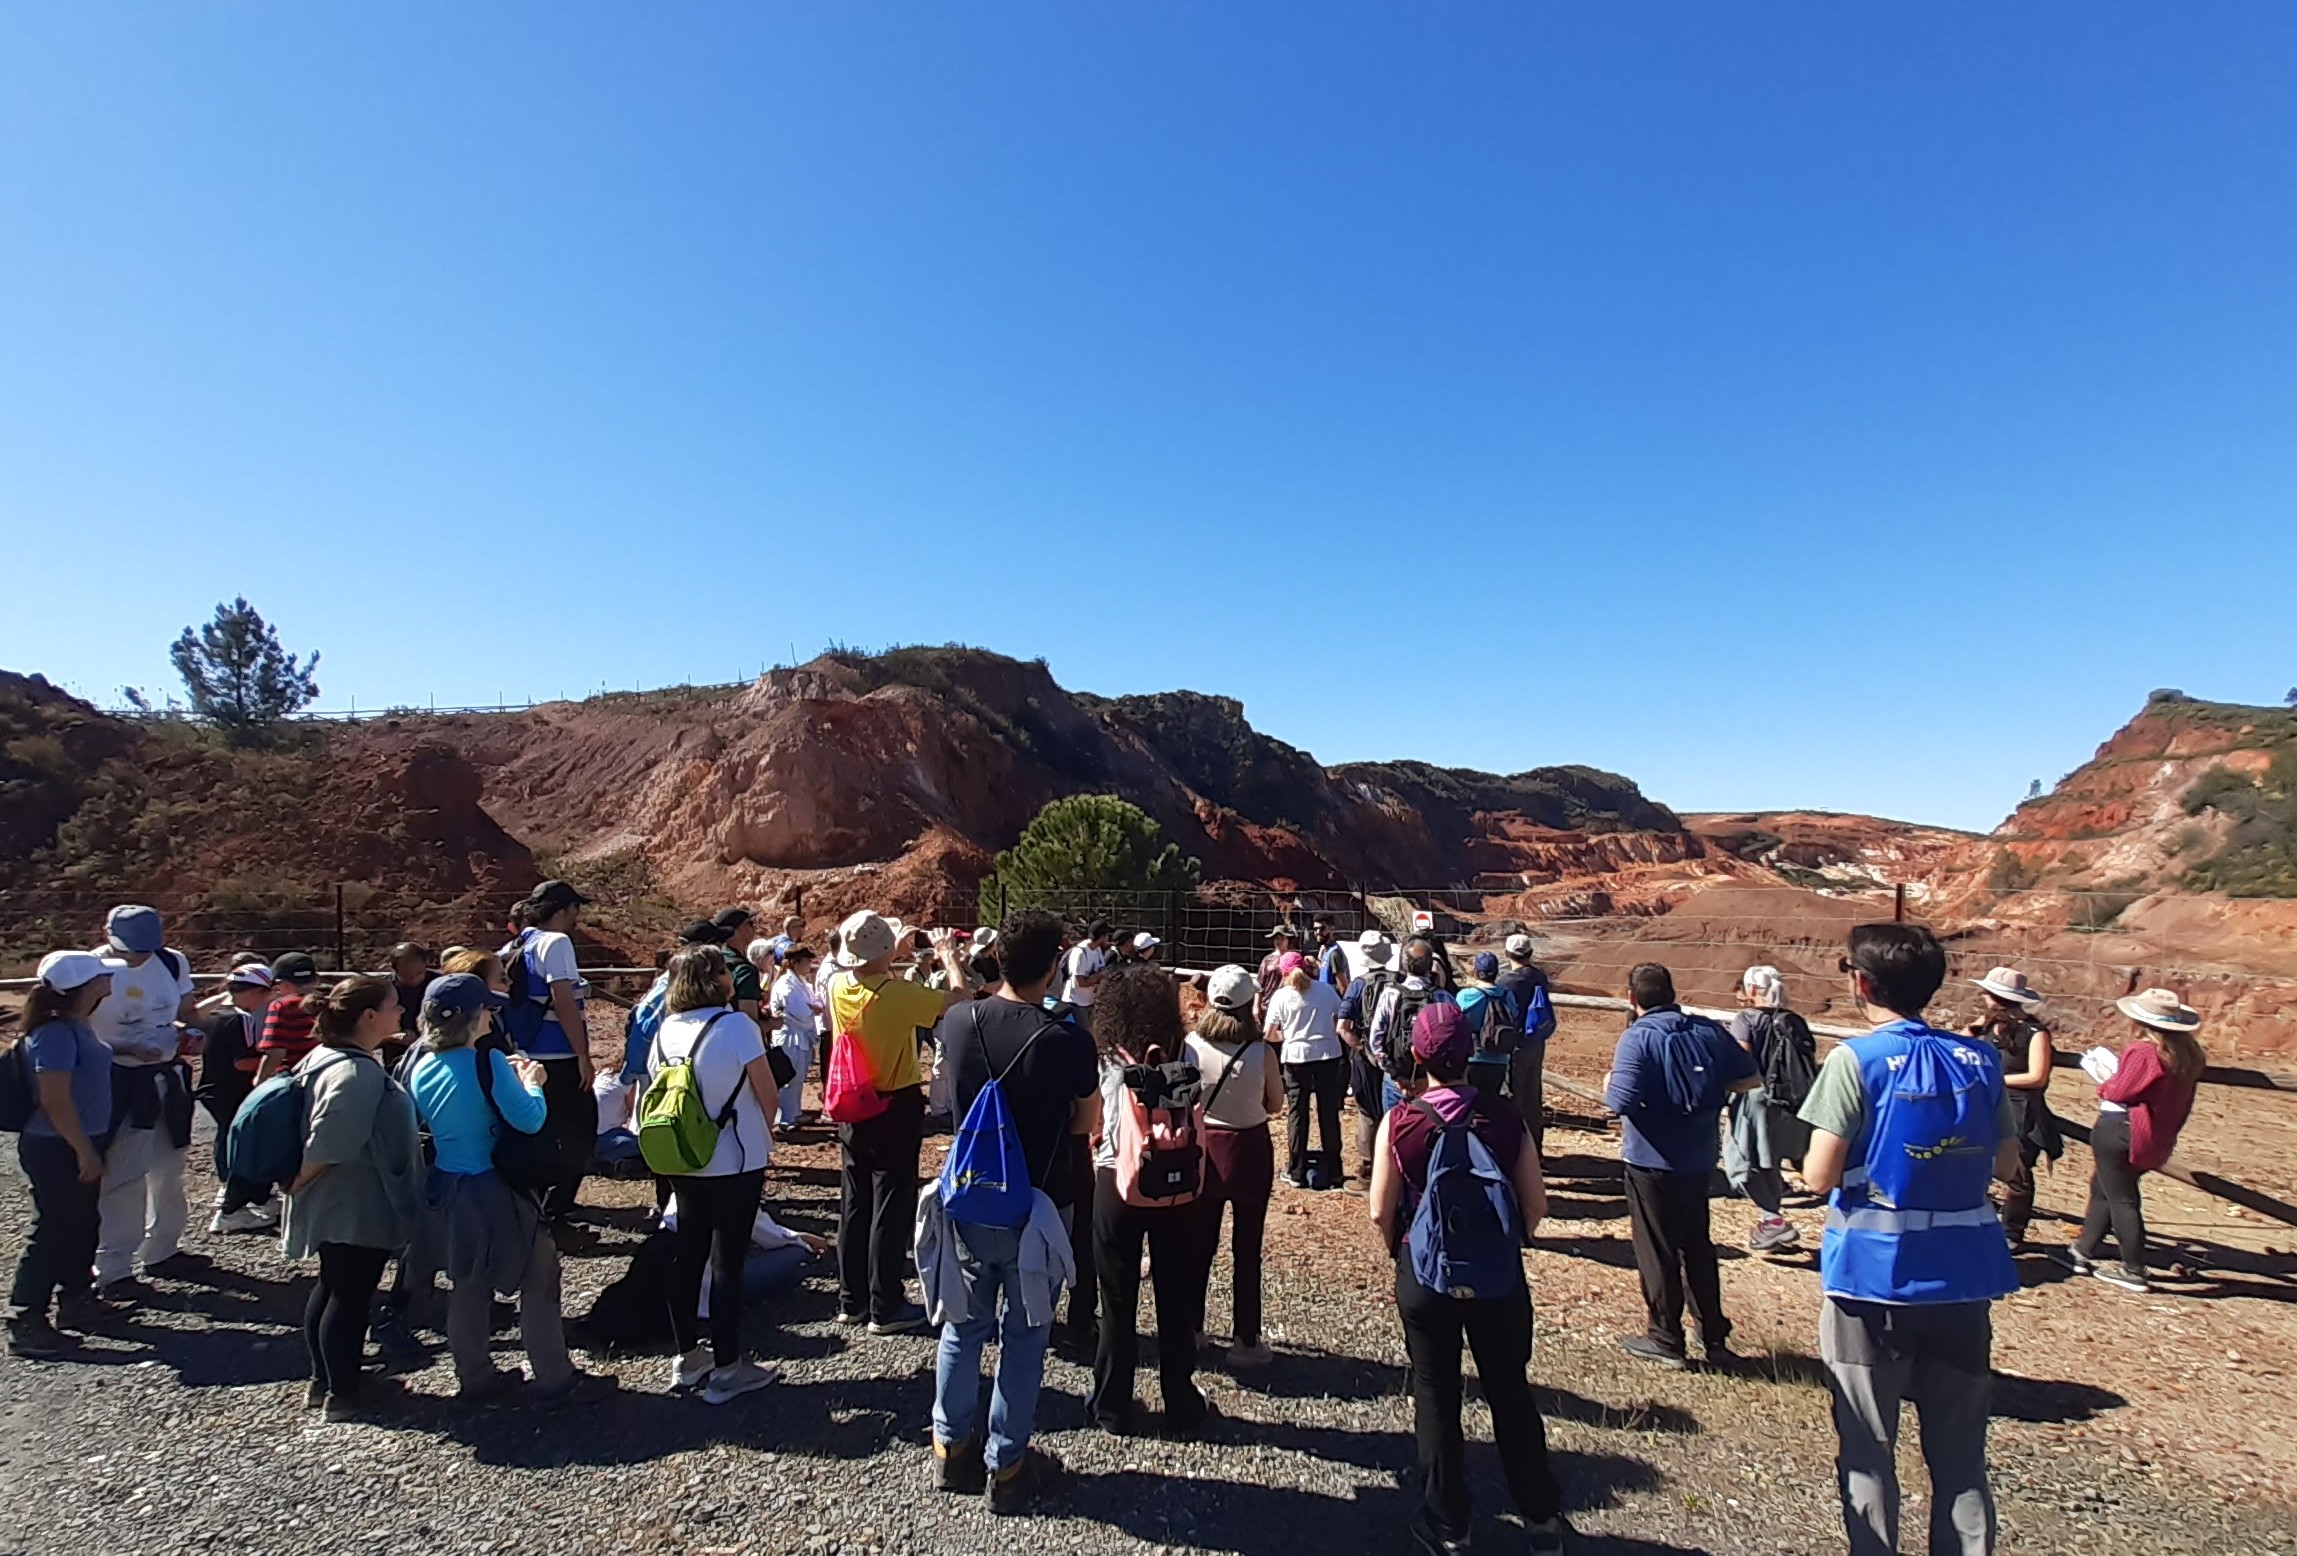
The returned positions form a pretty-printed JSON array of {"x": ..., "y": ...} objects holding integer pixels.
[{"x": 1466, "y": 1234}]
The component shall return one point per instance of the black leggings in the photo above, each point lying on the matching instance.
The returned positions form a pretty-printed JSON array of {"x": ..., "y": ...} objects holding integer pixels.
[
  {"x": 1498, "y": 1330},
  {"x": 715, "y": 1218},
  {"x": 2114, "y": 1200},
  {"x": 335, "y": 1320}
]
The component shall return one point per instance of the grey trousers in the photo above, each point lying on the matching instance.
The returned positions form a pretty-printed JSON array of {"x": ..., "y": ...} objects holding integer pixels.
[
  {"x": 1939, "y": 1358},
  {"x": 470, "y": 1334}
]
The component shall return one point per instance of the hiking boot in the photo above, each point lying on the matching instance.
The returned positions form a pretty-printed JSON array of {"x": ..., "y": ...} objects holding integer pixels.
[
  {"x": 127, "y": 1292},
  {"x": 2121, "y": 1277},
  {"x": 247, "y": 1218},
  {"x": 732, "y": 1382},
  {"x": 1249, "y": 1356},
  {"x": 314, "y": 1394},
  {"x": 1193, "y": 1429},
  {"x": 1429, "y": 1540},
  {"x": 85, "y": 1310},
  {"x": 691, "y": 1370},
  {"x": 2074, "y": 1259},
  {"x": 35, "y": 1339},
  {"x": 959, "y": 1469},
  {"x": 1012, "y": 1490},
  {"x": 580, "y": 1388},
  {"x": 364, "y": 1406},
  {"x": 1645, "y": 1349},
  {"x": 1718, "y": 1356},
  {"x": 908, "y": 1321},
  {"x": 1773, "y": 1232},
  {"x": 402, "y": 1352},
  {"x": 183, "y": 1264},
  {"x": 1544, "y": 1539}
]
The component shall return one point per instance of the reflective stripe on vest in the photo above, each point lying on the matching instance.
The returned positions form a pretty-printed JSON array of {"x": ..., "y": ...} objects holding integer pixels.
[{"x": 1894, "y": 1223}]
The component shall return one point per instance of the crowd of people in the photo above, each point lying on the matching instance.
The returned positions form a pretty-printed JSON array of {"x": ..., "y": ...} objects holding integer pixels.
[{"x": 1110, "y": 1121}]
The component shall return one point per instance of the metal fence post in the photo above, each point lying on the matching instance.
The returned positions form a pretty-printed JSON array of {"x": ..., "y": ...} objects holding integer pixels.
[
  {"x": 1898, "y": 904},
  {"x": 342, "y": 955}
]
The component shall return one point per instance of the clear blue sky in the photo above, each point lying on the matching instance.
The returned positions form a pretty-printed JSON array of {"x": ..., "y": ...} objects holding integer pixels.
[{"x": 1844, "y": 406}]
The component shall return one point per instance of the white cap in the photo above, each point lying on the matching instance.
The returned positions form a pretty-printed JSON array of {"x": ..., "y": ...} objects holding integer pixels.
[
  {"x": 983, "y": 938},
  {"x": 1374, "y": 945},
  {"x": 65, "y": 971},
  {"x": 1519, "y": 946},
  {"x": 1145, "y": 941},
  {"x": 1232, "y": 988}
]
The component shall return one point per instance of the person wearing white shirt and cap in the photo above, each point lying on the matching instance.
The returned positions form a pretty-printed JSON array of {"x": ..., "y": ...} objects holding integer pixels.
[{"x": 144, "y": 1208}]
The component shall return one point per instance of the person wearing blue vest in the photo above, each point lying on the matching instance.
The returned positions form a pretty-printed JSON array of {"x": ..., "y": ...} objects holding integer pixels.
[{"x": 1909, "y": 1126}]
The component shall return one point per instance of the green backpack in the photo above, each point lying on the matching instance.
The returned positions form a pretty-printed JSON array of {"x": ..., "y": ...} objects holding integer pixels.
[{"x": 677, "y": 1133}]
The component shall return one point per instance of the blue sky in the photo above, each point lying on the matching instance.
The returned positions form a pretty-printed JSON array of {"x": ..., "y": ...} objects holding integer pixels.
[{"x": 1858, "y": 407}]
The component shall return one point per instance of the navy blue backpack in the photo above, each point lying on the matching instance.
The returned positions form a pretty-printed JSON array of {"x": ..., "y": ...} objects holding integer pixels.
[{"x": 1466, "y": 1237}]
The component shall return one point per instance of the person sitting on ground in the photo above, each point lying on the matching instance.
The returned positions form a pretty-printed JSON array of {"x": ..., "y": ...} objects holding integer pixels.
[
  {"x": 1527, "y": 1071},
  {"x": 1495, "y": 1323},
  {"x": 1764, "y": 1133},
  {"x": 1390, "y": 1030},
  {"x": 286, "y": 1039},
  {"x": 720, "y": 1199},
  {"x": 1304, "y": 1026},
  {"x": 797, "y": 1026},
  {"x": 358, "y": 1197},
  {"x": 560, "y": 1040},
  {"x": 61, "y": 1149},
  {"x": 144, "y": 1212},
  {"x": 2142, "y": 1107},
  {"x": 1047, "y": 1075},
  {"x": 492, "y": 1233},
  {"x": 878, "y": 1155},
  {"x": 1907, "y": 1312},
  {"x": 1366, "y": 1082},
  {"x": 2029, "y": 1053},
  {"x": 227, "y": 1064},
  {"x": 1140, "y": 1024},
  {"x": 1243, "y": 1087},
  {"x": 1669, "y": 1078}
]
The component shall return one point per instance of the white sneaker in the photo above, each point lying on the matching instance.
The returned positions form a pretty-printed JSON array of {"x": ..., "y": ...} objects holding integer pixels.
[
  {"x": 689, "y": 1370},
  {"x": 743, "y": 1377},
  {"x": 248, "y": 1218}
]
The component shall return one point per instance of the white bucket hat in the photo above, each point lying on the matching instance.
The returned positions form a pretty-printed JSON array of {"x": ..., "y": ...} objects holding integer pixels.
[
  {"x": 2160, "y": 1009},
  {"x": 863, "y": 938},
  {"x": 2008, "y": 983}
]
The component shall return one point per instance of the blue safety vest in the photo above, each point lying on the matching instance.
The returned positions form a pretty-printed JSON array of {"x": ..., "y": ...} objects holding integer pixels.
[{"x": 1911, "y": 1223}]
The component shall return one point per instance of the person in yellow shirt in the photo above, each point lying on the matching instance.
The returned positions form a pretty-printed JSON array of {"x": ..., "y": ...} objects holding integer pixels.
[{"x": 870, "y": 1003}]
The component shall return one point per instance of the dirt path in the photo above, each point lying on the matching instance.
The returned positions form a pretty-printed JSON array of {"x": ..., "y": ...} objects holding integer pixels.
[{"x": 183, "y": 1433}]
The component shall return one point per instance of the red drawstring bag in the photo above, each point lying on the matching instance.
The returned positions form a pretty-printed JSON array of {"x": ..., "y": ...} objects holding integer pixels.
[{"x": 850, "y": 1096}]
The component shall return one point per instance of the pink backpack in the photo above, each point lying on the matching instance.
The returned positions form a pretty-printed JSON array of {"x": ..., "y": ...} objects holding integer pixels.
[
  {"x": 850, "y": 1095},
  {"x": 1160, "y": 1160}
]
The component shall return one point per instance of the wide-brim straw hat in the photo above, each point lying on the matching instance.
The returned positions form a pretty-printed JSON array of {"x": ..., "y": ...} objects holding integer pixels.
[
  {"x": 863, "y": 938},
  {"x": 2007, "y": 983},
  {"x": 2159, "y": 1008}
]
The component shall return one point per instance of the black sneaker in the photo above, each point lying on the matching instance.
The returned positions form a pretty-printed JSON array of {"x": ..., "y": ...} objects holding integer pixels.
[
  {"x": 35, "y": 1339},
  {"x": 1011, "y": 1491},
  {"x": 1645, "y": 1349},
  {"x": 1193, "y": 1429},
  {"x": 402, "y": 1352},
  {"x": 1428, "y": 1540},
  {"x": 908, "y": 1321},
  {"x": 1547, "y": 1538},
  {"x": 86, "y": 1310},
  {"x": 183, "y": 1264},
  {"x": 960, "y": 1469}
]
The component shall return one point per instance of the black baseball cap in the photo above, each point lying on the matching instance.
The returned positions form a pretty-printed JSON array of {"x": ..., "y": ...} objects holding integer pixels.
[
  {"x": 702, "y": 932},
  {"x": 554, "y": 897},
  {"x": 731, "y": 919},
  {"x": 294, "y": 967}
]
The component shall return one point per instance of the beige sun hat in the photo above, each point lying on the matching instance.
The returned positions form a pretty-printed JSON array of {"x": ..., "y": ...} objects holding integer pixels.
[
  {"x": 2007, "y": 983},
  {"x": 2161, "y": 1009},
  {"x": 863, "y": 938}
]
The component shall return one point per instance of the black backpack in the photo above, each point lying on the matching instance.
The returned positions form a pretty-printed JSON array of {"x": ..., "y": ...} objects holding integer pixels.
[
  {"x": 1790, "y": 1057},
  {"x": 1403, "y": 1069},
  {"x": 1502, "y": 1028}
]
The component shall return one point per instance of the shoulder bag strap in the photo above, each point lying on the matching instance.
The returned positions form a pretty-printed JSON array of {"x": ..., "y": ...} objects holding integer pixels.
[{"x": 1234, "y": 1061}]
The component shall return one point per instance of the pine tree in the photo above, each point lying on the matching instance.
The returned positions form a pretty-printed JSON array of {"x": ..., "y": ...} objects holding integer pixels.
[
  {"x": 238, "y": 677},
  {"x": 1088, "y": 842}
]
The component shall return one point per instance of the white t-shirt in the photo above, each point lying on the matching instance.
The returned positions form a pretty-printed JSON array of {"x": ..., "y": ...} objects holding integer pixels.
[
  {"x": 1084, "y": 961},
  {"x": 744, "y": 1144},
  {"x": 1309, "y": 1023},
  {"x": 552, "y": 958},
  {"x": 137, "y": 1019},
  {"x": 793, "y": 1006},
  {"x": 1243, "y": 1100}
]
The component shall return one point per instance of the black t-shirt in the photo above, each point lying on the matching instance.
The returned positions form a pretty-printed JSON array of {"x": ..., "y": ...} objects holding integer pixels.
[
  {"x": 411, "y": 1004},
  {"x": 223, "y": 1086},
  {"x": 980, "y": 1038},
  {"x": 1519, "y": 981}
]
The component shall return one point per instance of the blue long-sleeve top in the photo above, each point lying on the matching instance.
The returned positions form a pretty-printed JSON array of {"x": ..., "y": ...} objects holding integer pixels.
[{"x": 463, "y": 1128}]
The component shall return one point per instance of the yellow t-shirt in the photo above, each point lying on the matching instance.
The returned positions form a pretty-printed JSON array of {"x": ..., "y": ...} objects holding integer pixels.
[{"x": 887, "y": 1013}]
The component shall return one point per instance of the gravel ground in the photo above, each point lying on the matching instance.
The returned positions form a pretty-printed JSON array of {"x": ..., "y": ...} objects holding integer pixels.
[{"x": 184, "y": 1432}]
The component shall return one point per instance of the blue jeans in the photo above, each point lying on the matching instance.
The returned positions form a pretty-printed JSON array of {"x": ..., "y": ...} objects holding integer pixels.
[
  {"x": 1391, "y": 1095},
  {"x": 990, "y": 1259}
]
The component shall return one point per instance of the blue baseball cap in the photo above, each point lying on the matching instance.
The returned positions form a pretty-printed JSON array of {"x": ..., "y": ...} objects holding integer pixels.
[
  {"x": 134, "y": 929},
  {"x": 1487, "y": 966},
  {"x": 457, "y": 995}
]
